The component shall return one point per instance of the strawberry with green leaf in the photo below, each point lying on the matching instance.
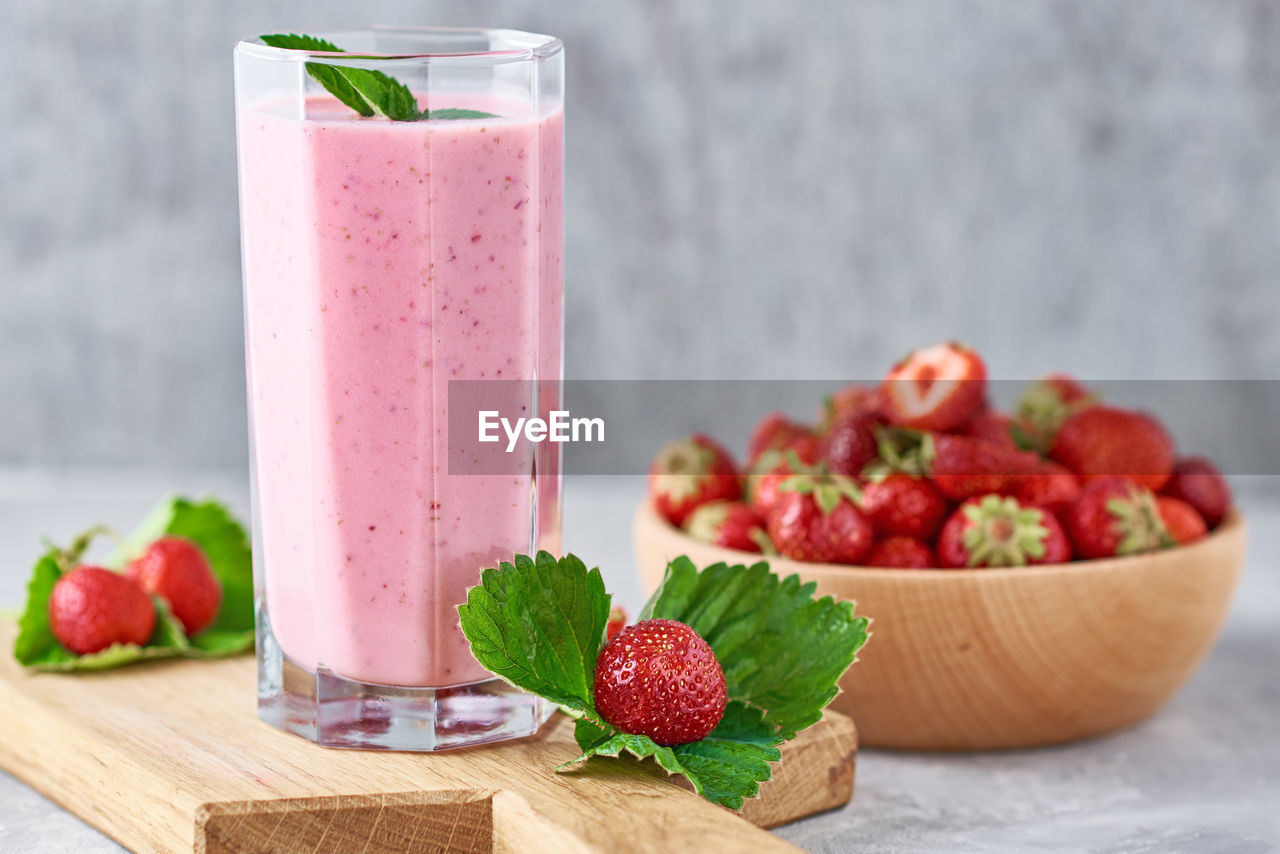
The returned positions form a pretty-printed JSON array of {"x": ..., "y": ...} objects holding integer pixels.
[
  {"x": 1113, "y": 517},
  {"x": 206, "y": 525},
  {"x": 817, "y": 519},
  {"x": 998, "y": 531},
  {"x": 539, "y": 624}
]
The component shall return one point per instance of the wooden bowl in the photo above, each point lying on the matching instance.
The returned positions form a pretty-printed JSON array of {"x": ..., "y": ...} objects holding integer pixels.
[{"x": 986, "y": 658}]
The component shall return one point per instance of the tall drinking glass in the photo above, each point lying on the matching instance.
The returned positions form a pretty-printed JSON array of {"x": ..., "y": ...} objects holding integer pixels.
[{"x": 383, "y": 260}]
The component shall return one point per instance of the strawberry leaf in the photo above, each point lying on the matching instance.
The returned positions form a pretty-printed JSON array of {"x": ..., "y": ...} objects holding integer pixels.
[
  {"x": 781, "y": 649},
  {"x": 539, "y": 623},
  {"x": 725, "y": 767}
]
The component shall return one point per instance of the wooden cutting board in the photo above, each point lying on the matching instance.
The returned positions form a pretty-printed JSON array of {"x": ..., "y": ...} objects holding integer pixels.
[{"x": 170, "y": 756}]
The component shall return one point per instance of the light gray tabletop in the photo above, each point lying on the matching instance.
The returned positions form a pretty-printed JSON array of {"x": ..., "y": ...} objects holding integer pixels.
[{"x": 1201, "y": 776}]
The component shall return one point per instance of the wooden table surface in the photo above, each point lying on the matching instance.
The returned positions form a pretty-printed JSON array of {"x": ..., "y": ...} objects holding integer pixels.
[{"x": 1203, "y": 775}]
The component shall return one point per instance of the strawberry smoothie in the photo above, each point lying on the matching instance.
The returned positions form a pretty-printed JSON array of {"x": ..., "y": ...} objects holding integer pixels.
[{"x": 383, "y": 259}]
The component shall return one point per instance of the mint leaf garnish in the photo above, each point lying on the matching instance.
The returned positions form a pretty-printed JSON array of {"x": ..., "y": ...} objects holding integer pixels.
[
  {"x": 780, "y": 649},
  {"x": 459, "y": 113},
  {"x": 210, "y": 526},
  {"x": 539, "y": 624},
  {"x": 363, "y": 89}
]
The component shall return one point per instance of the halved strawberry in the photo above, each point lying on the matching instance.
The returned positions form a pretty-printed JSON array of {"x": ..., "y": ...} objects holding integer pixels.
[
  {"x": 1115, "y": 516},
  {"x": 688, "y": 473},
  {"x": 937, "y": 388},
  {"x": 731, "y": 524},
  {"x": 995, "y": 530},
  {"x": 817, "y": 519}
]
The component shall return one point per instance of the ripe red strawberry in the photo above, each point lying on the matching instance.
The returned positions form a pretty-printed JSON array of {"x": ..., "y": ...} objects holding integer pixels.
[
  {"x": 688, "y": 473},
  {"x": 850, "y": 443},
  {"x": 1048, "y": 485},
  {"x": 901, "y": 505},
  {"x": 731, "y": 524},
  {"x": 777, "y": 432},
  {"x": 1115, "y": 516},
  {"x": 1184, "y": 524},
  {"x": 995, "y": 530},
  {"x": 963, "y": 467},
  {"x": 771, "y": 469},
  {"x": 92, "y": 608},
  {"x": 617, "y": 619},
  {"x": 1104, "y": 441},
  {"x": 1047, "y": 403},
  {"x": 1199, "y": 483},
  {"x": 937, "y": 388},
  {"x": 177, "y": 571},
  {"x": 900, "y": 553},
  {"x": 817, "y": 519},
  {"x": 990, "y": 426},
  {"x": 659, "y": 678},
  {"x": 854, "y": 399}
]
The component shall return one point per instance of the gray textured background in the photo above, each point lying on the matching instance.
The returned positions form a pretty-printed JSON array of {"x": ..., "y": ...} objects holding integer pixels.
[{"x": 754, "y": 190}]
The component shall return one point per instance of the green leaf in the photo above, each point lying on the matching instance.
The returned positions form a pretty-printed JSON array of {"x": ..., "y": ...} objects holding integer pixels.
[
  {"x": 781, "y": 649},
  {"x": 539, "y": 623},
  {"x": 457, "y": 113},
  {"x": 210, "y": 526},
  {"x": 725, "y": 767},
  {"x": 362, "y": 89}
]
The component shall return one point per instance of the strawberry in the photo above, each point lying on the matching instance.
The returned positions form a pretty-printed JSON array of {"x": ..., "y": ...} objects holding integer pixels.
[
  {"x": 1115, "y": 516},
  {"x": 963, "y": 467},
  {"x": 901, "y": 505},
  {"x": 777, "y": 432},
  {"x": 766, "y": 473},
  {"x": 92, "y": 608},
  {"x": 1199, "y": 483},
  {"x": 660, "y": 678},
  {"x": 991, "y": 426},
  {"x": 900, "y": 553},
  {"x": 688, "y": 473},
  {"x": 617, "y": 619},
  {"x": 817, "y": 519},
  {"x": 1047, "y": 403},
  {"x": 850, "y": 443},
  {"x": 995, "y": 530},
  {"x": 854, "y": 399},
  {"x": 731, "y": 524},
  {"x": 177, "y": 571},
  {"x": 937, "y": 388},
  {"x": 1184, "y": 524},
  {"x": 1103, "y": 441},
  {"x": 1048, "y": 485}
]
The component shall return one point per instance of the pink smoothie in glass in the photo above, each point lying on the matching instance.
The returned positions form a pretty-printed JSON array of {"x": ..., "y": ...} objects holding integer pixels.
[{"x": 382, "y": 260}]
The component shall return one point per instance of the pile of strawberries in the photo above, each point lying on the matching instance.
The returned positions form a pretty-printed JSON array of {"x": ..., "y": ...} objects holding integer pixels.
[
  {"x": 921, "y": 472},
  {"x": 92, "y": 608}
]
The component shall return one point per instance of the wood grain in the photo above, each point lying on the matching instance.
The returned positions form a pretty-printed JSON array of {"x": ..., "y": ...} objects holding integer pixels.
[
  {"x": 170, "y": 756},
  {"x": 978, "y": 659}
]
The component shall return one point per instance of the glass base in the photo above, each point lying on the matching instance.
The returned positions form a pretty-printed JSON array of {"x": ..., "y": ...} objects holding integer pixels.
[{"x": 334, "y": 711}]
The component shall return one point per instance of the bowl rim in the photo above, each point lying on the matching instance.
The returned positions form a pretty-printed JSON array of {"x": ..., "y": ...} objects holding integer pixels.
[{"x": 1232, "y": 525}]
